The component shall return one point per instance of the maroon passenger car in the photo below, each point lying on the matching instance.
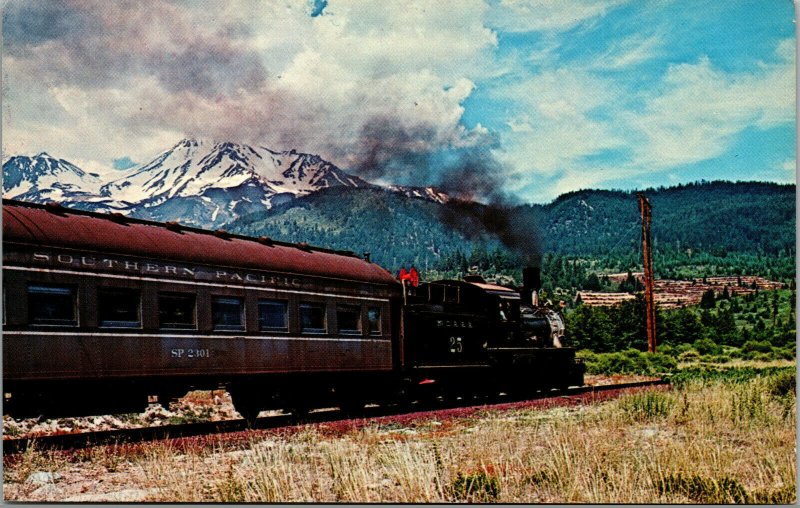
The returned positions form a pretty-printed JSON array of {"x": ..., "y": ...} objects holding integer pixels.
[{"x": 101, "y": 311}]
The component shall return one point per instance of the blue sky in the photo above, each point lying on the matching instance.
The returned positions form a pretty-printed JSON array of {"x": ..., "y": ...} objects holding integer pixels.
[{"x": 536, "y": 97}]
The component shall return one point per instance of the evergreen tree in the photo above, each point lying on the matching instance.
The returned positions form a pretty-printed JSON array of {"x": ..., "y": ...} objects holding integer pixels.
[{"x": 592, "y": 282}]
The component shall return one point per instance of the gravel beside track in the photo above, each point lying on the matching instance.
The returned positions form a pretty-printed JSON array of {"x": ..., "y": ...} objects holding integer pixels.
[{"x": 332, "y": 420}]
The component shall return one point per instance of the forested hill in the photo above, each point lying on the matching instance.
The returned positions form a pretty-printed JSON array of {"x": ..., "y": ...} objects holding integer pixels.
[{"x": 712, "y": 217}]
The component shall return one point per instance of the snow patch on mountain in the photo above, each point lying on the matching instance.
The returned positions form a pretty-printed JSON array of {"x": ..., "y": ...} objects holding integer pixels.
[
  {"x": 429, "y": 193},
  {"x": 197, "y": 182},
  {"x": 43, "y": 178}
]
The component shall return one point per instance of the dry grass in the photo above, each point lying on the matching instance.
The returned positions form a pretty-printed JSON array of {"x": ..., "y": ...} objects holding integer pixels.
[{"x": 702, "y": 443}]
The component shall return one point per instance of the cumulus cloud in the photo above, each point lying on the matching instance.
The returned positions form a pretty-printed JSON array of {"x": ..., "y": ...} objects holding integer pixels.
[
  {"x": 558, "y": 127},
  {"x": 579, "y": 125},
  {"x": 252, "y": 71},
  {"x": 699, "y": 110},
  {"x": 380, "y": 88}
]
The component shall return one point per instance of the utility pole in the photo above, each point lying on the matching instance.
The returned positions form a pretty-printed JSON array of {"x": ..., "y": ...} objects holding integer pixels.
[{"x": 649, "y": 299}]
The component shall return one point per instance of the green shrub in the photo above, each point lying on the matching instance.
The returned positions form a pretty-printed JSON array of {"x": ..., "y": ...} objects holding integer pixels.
[
  {"x": 736, "y": 353},
  {"x": 763, "y": 357},
  {"x": 786, "y": 353},
  {"x": 707, "y": 347},
  {"x": 661, "y": 363},
  {"x": 757, "y": 346},
  {"x": 711, "y": 373},
  {"x": 783, "y": 383},
  {"x": 630, "y": 361},
  {"x": 689, "y": 356},
  {"x": 715, "y": 358},
  {"x": 614, "y": 363},
  {"x": 667, "y": 350}
]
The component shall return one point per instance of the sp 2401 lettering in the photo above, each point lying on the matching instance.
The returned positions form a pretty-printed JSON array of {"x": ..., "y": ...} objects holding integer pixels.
[{"x": 190, "y": 353}]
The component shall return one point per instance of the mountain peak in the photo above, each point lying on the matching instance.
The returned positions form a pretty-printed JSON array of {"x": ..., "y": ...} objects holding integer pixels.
[
  {"x": 188, "y": 143},
  {"x": 43, "y": 178}
]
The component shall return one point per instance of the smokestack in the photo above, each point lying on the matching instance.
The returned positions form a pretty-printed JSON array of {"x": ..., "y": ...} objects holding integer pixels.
[
  {"x": 532, "y": 278},
  {"x": 531, "y": 284}
]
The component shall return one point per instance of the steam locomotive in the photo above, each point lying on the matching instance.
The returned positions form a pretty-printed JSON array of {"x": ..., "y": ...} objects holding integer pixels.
[{"x": 103, "y": 313}]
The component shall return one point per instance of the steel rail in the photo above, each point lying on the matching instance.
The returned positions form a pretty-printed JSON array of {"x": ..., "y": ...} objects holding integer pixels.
[{"x": 80, "y": 440}]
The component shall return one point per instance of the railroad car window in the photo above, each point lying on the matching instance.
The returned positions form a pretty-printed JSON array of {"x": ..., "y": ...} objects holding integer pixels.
[
  {"x": 52, "y": 305},
  {"x": 374, "y": 320},
  {"x": 273, "y": 315},
  {"x": 227, "y": 313},
  {"x": 451, "y": 294},
  {"x": 435, "y": 293},
  {"x": 176, "y": 310},
  {"x": 312, "y": 318},
  {"x": 349, "y": 319},
  {"x": 119, "y": 308}
]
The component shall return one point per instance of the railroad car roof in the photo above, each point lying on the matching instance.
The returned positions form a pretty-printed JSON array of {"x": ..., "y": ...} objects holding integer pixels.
[
  {"x": 57, "y": 226},
  {"x": 493, "y": 288},
  {"x": 485, "y": 286}
]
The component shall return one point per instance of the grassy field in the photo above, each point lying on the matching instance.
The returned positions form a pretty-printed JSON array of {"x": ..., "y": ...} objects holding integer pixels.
[{"x": 715, "y": 437}]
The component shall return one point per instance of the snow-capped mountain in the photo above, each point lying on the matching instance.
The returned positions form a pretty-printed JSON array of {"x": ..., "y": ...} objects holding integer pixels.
[
  {"x": 196, "y": 182},
  {"x": 43, "y": 178},
  {"x": 428, "y": 193},
  {"x": 195, "y": 168}
]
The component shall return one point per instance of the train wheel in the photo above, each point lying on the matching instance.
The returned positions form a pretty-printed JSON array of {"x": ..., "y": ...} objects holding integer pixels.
[
  {"x": 298, "y": 410},
  {"x": 167, "y": 398},
  {"x": 352, "y": 406},
  {"x": 250, "y": 415},
  {"x": 247, "y": 404}
]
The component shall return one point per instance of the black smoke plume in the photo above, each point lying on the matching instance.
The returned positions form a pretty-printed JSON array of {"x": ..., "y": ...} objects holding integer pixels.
[{"x": 470, "y": 174}]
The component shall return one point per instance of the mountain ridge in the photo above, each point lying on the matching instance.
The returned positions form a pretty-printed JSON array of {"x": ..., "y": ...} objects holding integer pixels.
[
  {"x": 208, "y": 182},
  {"x": 703, "y": 217}
]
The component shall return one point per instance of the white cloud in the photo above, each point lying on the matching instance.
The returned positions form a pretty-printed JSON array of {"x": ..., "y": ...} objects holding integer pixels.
[
  {"x": 565, "y": 119},
  {"x": 700, "y": 109},
  {"x": 141, "y": 76},
  {"x": 558, "y": 128},
  {"x": 546, "y": 15},
  {"x": 313, "y": 83},
  {"x": 631, "y": 51}
]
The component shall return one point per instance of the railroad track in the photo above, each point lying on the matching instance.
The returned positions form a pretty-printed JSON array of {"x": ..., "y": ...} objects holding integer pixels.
[{"x": 142, "y": 434}]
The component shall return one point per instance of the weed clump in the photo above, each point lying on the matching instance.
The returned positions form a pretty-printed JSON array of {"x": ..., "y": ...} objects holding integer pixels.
[
  {"x": 784, "y": 495},
  {"x": 739, "y": 375},
  {"x": 783, "y": 384},
  {"x": 231, "y": 489},
  {"x": 631, "y": 361},
  {"x": 475, "y": 487},
  {"x": 748, "y": 405},
  {"x": 647, "y": 406},
  {"x": 703, "y": 490},
  {"x": 542, "y": 477},
  {"x": 725, "y": 490}
]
